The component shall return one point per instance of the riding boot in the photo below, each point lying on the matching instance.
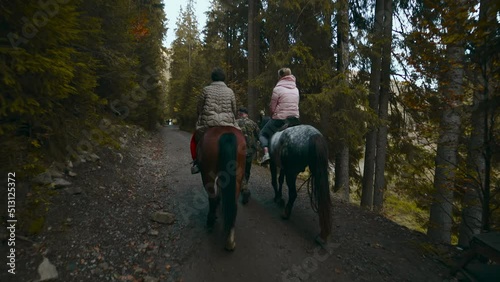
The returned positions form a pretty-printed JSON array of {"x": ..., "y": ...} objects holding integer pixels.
[
  {"x": 265, "y": 158},
  {"x": 195, "y": 168}
]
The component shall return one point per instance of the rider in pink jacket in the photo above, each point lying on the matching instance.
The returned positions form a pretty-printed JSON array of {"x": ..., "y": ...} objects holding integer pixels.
[
  {"x": 284, "y": 104},
  {"x": 285, "y": 99}
]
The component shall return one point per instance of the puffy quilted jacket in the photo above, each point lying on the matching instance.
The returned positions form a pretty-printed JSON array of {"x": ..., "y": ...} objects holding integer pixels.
[
  {"x": 216, "y": 106},
  {"x": 285, "y": 99}
]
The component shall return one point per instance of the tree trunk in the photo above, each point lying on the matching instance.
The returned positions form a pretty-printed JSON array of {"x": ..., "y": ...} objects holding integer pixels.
[
  {"x": 371, "y": 138},
  {"x": 476, "y": 192},
  {"x": 440, "y": 221},
  {"x": 343, "y": 36},
  {"x": 253, "y": 56},
  {"x": 487, "y": 17},
  {"x": 474, "y": 178},
  {"x": 342, "y": 173},
  {"x": 379, "y": 187},
  {"x": 487, "y": 176},
  {"x": 475, "y": 171},
  {"x": 441, "y": 213},
  {"x": 342, "y": 158}
]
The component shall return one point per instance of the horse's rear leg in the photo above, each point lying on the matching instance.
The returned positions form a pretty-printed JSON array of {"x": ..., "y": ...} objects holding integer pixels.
[
  {"x": 292, "y": 194},
  {"x": 274, "y": 182},
  {"x": 281, "y": 180},
  {"x": 230, "y": 243},
  {"x": 277, "y": 190},
  {"x": 212, "y": 209}
]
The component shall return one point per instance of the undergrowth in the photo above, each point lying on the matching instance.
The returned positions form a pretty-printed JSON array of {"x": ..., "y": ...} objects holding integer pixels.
[{"x": 405, "y": 212}]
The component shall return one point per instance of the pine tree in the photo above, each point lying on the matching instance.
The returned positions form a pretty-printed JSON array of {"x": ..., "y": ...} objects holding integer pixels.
[
  {"x": 187, "y": 77},
  {"x": 47, "y": 80},
  {"x": 477, "y": 196}
]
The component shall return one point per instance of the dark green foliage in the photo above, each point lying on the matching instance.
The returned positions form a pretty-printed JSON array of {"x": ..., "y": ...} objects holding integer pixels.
[
  {"x": 187, "y": 70},
  {"x": 63, "y": 64}
]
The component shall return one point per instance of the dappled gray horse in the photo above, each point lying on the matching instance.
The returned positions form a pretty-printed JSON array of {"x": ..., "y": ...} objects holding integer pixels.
[{"x": 292, "y": 150}]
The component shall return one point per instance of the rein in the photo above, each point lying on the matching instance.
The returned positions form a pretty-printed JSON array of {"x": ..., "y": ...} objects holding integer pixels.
[{"x": 310, "y": 192}]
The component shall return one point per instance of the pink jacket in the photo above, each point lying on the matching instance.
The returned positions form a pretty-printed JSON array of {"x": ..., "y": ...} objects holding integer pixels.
[{"x": 285, "y": 99}]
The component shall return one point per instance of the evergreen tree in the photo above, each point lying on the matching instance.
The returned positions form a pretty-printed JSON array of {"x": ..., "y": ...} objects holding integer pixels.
[
  {"x": 477, "y": 194},
  {"x": 62, "y": 63},
  {"x": 187, "y": 75},
  {"x": 253, "y": 55},
  {"x": 439, "y": 53},
  {"x": 47, "y": 80}
]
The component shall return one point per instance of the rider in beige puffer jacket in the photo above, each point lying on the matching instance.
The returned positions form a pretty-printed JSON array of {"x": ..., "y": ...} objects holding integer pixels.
[{"x": 216, "y": 107}]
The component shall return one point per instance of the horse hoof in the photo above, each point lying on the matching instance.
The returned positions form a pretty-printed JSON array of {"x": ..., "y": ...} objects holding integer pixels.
[
  {"x": 285, "y": 215},
  {"x": 322, "y": 242},
  {"x": 211, "y": 221},
  {"x": 230, "y": 246},
  {"x": 281, "y": 202},
  {"x": 246, "y": 197},
  {"x": 287, "y": 212}
]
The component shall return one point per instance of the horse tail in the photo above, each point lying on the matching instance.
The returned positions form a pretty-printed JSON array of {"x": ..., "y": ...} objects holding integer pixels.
[
  {"x": 227, "y": 177},
  {"x": 318, "y": 164}
]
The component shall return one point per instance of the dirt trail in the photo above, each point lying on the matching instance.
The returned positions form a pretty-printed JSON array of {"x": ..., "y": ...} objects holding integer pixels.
[{"x": 106, "y": 233}]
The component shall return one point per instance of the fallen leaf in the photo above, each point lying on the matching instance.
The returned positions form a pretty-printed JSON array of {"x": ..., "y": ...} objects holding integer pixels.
[{"x": 127, "y": 278}]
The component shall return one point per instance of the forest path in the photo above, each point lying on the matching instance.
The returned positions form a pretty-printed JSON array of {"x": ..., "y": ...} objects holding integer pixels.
[{"x": 105, "y": 232}]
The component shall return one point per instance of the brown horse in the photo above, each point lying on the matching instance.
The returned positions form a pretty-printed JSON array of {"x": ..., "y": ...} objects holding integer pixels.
[{"x": 221, "y": 157}]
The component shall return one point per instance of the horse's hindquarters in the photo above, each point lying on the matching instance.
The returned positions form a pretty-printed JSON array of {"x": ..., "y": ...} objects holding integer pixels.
[
  {"x": 222, "y": 162},
  {"x": 293, "y": 150}
]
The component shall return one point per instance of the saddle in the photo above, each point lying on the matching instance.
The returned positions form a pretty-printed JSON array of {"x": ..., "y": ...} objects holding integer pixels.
[{"x": 289, "y": 122}]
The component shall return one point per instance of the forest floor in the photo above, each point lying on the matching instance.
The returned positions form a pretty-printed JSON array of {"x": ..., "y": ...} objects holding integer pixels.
[{"x": 100, "y": 228}]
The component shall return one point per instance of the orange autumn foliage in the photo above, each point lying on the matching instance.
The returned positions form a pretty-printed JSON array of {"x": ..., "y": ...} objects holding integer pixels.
[{"x": 139, "y": 27}]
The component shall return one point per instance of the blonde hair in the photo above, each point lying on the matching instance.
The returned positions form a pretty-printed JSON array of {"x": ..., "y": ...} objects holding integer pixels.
[{"x": 284, "y": 71}]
